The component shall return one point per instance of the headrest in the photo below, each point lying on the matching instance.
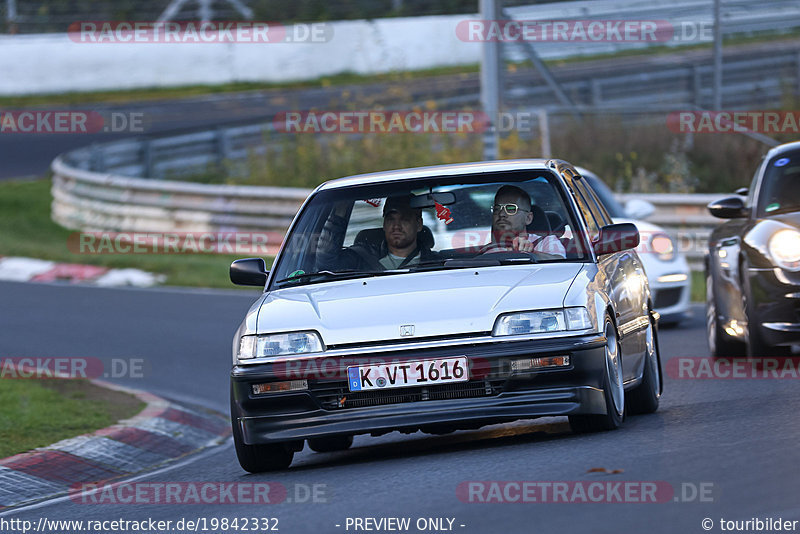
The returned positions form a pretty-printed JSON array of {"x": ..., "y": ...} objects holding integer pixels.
[
  {"x": 540, "y": 224},
  {"x": 557, "y": 223}
]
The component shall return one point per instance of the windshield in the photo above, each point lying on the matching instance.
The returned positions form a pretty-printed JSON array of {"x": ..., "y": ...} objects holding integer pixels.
[
  {"x": 430, "y": 224},
  {"x": 780, "y": 188}
]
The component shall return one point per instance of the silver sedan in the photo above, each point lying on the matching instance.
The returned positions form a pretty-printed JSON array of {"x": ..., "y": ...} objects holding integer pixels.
[{"x": 534, "y": 303}]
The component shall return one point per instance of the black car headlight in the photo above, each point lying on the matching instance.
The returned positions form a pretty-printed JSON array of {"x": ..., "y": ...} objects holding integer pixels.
[{"x": 784, "y": 249}]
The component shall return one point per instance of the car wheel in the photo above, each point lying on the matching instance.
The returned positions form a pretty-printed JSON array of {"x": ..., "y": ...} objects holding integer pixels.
[
  {"x": 720, "y": 344},
  {"x": 259, "y": 458},
  {"x": 757, "y": 348},
  {"x": 613, "y": 390},
  {"x": 646, "y": 396},
  {"x": 330, "y": 444}
]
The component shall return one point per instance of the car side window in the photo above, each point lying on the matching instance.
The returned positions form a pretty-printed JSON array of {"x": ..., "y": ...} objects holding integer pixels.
[
  {"x": 602, "y": 216},
  {"x": 591, "y": 222}
]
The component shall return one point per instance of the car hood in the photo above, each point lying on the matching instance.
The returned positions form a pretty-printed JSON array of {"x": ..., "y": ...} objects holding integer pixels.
[
  {"x": 791, "y": 219},
  {"x": 438, "y": 303}
]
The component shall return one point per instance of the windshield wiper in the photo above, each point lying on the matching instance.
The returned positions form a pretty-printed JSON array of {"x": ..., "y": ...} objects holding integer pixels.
[
  {"x": 331, "y": 275},
  {"x": 484, "y": 260}
]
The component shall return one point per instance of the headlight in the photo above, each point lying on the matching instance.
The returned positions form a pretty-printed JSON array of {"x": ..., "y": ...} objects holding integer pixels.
[
  {"x": 265, "y": 346},
  {"x": 784, "y": 247},
  {"x": 662, "y": 246},
  {"x": 536, "y": 322}
]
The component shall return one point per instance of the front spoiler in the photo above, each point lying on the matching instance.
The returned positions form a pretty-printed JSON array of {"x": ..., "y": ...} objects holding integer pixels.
[{"x": 462, "y": 413}]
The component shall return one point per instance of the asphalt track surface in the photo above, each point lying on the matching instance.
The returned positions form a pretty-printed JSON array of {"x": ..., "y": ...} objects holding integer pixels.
[
  {"x": 30, "y": 154},
  {"x": 735, "y": 439}
]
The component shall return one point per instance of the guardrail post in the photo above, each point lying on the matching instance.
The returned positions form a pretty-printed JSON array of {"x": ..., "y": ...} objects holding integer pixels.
[
  {"x": 223, "y": 145},
  {"x": 597, "y": 92},
  {"x": 97, "y": 159},
  {"x": 697, "y": 86},
  {"x": 147, "y": 159}
]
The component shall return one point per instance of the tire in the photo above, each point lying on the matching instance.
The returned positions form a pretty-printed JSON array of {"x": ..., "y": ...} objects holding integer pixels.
[
  {"x": 646, "y": 396},
  {"x": 720, "y": 344},
  {"x": 330, "y": 444},
  {"x": 259, "y": 458},
  {"x": 613, "y": 390}
]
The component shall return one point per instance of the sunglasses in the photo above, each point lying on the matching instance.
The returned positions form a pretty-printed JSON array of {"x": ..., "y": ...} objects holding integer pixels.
[{"x": 510, "y": 209}]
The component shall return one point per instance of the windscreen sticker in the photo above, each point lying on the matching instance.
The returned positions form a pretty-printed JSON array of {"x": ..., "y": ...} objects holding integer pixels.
[
  {"x": 443, "y": 213},
  {"x": 375, "y": 202},
  {"x": 772, "y": 207},
  {"x": 781, "y": 162}
]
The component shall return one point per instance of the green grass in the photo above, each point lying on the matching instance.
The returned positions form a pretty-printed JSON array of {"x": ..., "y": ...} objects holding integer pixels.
[
  {"x": 698, "y": 286},
  {"x": 26, "y": 229},
  {"x": 36, "y": 413}
]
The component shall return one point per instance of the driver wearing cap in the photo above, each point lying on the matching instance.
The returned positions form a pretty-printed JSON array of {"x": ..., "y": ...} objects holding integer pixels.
[{"x": 401, "y": 224}]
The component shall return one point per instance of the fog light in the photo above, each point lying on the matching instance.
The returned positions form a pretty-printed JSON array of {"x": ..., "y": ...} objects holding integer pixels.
[
  {"x": 670, "y": 278},
  {"x": 275, "y": 387},
  {"x": 527, "y": 364}
]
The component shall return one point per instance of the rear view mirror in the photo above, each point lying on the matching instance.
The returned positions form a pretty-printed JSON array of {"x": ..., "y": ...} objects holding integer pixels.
[
  {"x": 728, "y": 208},
  {"x": 249, "y": 272},
  {"x": 616, "y": 238},
  {"x": 429, "y": 200}
]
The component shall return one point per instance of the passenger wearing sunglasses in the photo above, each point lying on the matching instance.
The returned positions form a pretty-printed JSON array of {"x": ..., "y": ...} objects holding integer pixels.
[{"x": 511, "y": 215}]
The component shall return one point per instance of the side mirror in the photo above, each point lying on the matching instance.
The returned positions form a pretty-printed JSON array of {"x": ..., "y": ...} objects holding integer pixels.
[
  {"x": 616, "y": 238},
  {"x": 639, "y": 209},
  {"x": 728, "y": 208},
  {"x": 742, "y": 191},
  {"x": 249, "y": 272}
]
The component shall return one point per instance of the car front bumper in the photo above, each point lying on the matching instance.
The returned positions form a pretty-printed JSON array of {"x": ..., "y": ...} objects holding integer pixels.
[
  {"x": 776, "y": 295},
  {"x": 493, "y": 394}
]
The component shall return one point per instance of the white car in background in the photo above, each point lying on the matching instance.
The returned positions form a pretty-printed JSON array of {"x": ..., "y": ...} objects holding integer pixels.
[{"x": 666, "y": 267}]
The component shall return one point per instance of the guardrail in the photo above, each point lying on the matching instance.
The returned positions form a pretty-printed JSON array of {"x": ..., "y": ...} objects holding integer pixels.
[
  {"x": 92, "y": 201},
  {"x": 686, "y": 218}
]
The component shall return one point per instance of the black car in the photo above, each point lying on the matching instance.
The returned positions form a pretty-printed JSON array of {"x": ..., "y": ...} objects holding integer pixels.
[{"x": 753, "y": 263}]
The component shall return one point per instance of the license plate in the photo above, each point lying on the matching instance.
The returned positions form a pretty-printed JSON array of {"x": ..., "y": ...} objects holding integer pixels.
[{"x": 408, "y": 374}]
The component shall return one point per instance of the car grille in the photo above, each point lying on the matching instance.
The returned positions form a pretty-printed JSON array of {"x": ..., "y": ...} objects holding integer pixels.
[
  {"x": 666, "y": 298},
  {"x": 335, "y": 395}
]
